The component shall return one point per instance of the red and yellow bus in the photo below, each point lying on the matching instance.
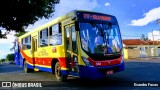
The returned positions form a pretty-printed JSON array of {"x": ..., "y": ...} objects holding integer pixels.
[{"x": 82, "y": 44}]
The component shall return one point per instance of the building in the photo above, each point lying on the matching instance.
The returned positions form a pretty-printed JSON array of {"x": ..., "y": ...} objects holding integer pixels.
[
  {"x": 135, "y": 48},
  {"x": 154, "y": 47}
]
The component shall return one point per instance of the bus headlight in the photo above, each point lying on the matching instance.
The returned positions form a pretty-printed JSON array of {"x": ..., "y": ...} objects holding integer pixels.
[{"x": 86, "y": 61}]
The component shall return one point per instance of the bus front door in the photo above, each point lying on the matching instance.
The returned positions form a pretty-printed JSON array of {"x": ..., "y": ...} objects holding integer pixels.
[{"x": 71, "y": 45}]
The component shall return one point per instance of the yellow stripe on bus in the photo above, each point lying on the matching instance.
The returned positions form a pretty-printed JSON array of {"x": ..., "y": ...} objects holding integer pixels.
[
  {"x": 64, "y": 68},
  {"x": 39, "y": 65}
]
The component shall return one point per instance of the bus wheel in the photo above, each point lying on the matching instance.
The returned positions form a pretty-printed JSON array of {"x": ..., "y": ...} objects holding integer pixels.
[
  {"x": 26, "y": 69},
  {"x": 58, "y": 74}
]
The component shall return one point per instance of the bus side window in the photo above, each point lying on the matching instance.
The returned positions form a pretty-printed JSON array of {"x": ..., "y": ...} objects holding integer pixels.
[
  {"x": 26, "y": 43},
  {"x": 55, "y": 35},
  {"x": 44, "y": 37},
  {"x": 22, "y": 44}
]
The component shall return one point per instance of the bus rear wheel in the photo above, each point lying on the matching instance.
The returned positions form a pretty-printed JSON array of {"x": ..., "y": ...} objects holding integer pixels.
[
  {"x": 26, "y": 69},
  {"x": 58, "y": 73}
]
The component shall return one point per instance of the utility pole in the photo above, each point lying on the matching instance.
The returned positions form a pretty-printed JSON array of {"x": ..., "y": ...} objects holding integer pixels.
[
  {"x": 158, "y": 22},
  {"x": 153, "y": 44}
]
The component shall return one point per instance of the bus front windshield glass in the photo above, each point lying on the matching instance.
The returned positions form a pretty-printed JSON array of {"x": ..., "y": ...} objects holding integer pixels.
[{"x": 100, "y": 38}]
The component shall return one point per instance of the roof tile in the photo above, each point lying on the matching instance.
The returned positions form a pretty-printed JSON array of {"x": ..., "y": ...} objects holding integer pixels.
[{"x": 134, "y": 42}]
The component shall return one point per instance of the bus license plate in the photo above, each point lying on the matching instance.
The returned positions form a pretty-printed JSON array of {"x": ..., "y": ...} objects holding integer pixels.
[{"x": 109, "y": 72}]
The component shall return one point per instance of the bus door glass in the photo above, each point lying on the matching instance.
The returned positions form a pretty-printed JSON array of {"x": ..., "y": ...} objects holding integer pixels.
[
  {"x": 71, "y": 45},
  {"x": 34, "y": 49}
]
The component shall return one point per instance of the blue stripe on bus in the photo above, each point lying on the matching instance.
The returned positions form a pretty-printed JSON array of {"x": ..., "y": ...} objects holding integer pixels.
[
  {"x": 16, "y": 58},
  {"x": 64, "y": 72},
  {"x": 40, "y": 68},
  {"x": 74, "y": 74},
  {"x": 30, "y": 66}
]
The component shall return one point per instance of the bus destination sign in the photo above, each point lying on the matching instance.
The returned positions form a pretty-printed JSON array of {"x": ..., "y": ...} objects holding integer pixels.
[{"x": 96, "y": 17}]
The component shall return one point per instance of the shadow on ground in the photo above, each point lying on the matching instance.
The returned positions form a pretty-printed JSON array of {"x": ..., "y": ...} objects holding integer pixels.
[{"x": 9, "y": 68}]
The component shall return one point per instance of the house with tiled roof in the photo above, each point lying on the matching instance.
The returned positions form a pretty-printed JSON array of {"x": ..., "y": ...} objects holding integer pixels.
[
  {"x": 155, "y": 48},
  {"x": 153, "y": 42},
  {"x": 131, "y": 42},
  {"x": 136, "y": 48}
]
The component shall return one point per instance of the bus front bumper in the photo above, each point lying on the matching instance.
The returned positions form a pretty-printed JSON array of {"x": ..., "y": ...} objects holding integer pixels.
[{"x": 98, "y": 72}]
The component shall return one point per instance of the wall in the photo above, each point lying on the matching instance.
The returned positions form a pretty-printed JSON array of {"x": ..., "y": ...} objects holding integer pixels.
[
  {"x": 125, "y": 52},
  {"x": 133, "y": 53},
  {"x": 147, "y": 51}
]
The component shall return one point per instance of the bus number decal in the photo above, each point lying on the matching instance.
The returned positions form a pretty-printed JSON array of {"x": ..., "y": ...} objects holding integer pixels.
[{"x": 98, "y": 63}]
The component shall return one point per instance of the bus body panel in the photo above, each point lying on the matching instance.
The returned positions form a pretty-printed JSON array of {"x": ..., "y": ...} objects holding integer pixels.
[{"x": 44, "y": 62}]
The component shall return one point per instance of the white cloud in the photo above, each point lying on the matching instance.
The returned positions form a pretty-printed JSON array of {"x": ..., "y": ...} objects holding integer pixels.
[
  {"x": 10, "y": 38},
  {"x": 3, "y": 53},
  {"x": 150, "y": 16},
  {"x": 107, "y": 4},
  {"x": 6, "y": 44},
  {"x": 155, "y": 34},
  {"x": 36, "y": 24},
  {"x": 68, "y": 5}
]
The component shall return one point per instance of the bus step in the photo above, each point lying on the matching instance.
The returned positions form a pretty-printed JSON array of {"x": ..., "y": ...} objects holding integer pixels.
[{"x": 36, "y": 69}]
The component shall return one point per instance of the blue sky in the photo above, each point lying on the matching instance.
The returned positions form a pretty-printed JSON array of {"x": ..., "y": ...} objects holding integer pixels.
[
  {"x": 128, "y": 10},
  {"x": 135, "y": 17}
]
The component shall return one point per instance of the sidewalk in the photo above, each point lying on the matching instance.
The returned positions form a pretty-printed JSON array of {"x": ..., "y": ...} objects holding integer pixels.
[{"x": 144, "y": 58}]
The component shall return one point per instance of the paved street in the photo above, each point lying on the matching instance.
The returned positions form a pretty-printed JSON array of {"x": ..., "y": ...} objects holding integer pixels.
[{"x": 136, "y": 70}]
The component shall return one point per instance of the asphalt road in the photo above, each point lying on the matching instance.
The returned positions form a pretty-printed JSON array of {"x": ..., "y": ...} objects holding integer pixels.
[{"x": 138, "y": 72}]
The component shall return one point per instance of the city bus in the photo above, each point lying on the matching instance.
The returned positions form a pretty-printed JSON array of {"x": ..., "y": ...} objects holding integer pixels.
[{"x": 83, "y": 44}]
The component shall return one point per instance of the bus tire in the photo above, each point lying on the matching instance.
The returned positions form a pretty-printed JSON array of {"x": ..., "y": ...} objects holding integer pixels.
[
  {"x": 26, "y": 69},
  {"x": 58, "y": 74}
]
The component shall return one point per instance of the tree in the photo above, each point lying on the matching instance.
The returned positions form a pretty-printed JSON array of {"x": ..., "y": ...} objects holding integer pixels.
[
  {"x": 2, "y": 60},
  {"x": 20, "y": 34},
  {"x": 10, "y": 57},
  {"x": 144, "y": 38},
  {"x": 16, "y": 15}
]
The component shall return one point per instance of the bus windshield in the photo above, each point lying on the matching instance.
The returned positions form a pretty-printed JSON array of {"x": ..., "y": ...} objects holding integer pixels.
[{"x": 101, "y": 39}]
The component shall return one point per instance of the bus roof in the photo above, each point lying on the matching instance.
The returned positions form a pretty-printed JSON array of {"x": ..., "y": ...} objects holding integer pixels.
[{"x": 58, "y": 19}]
